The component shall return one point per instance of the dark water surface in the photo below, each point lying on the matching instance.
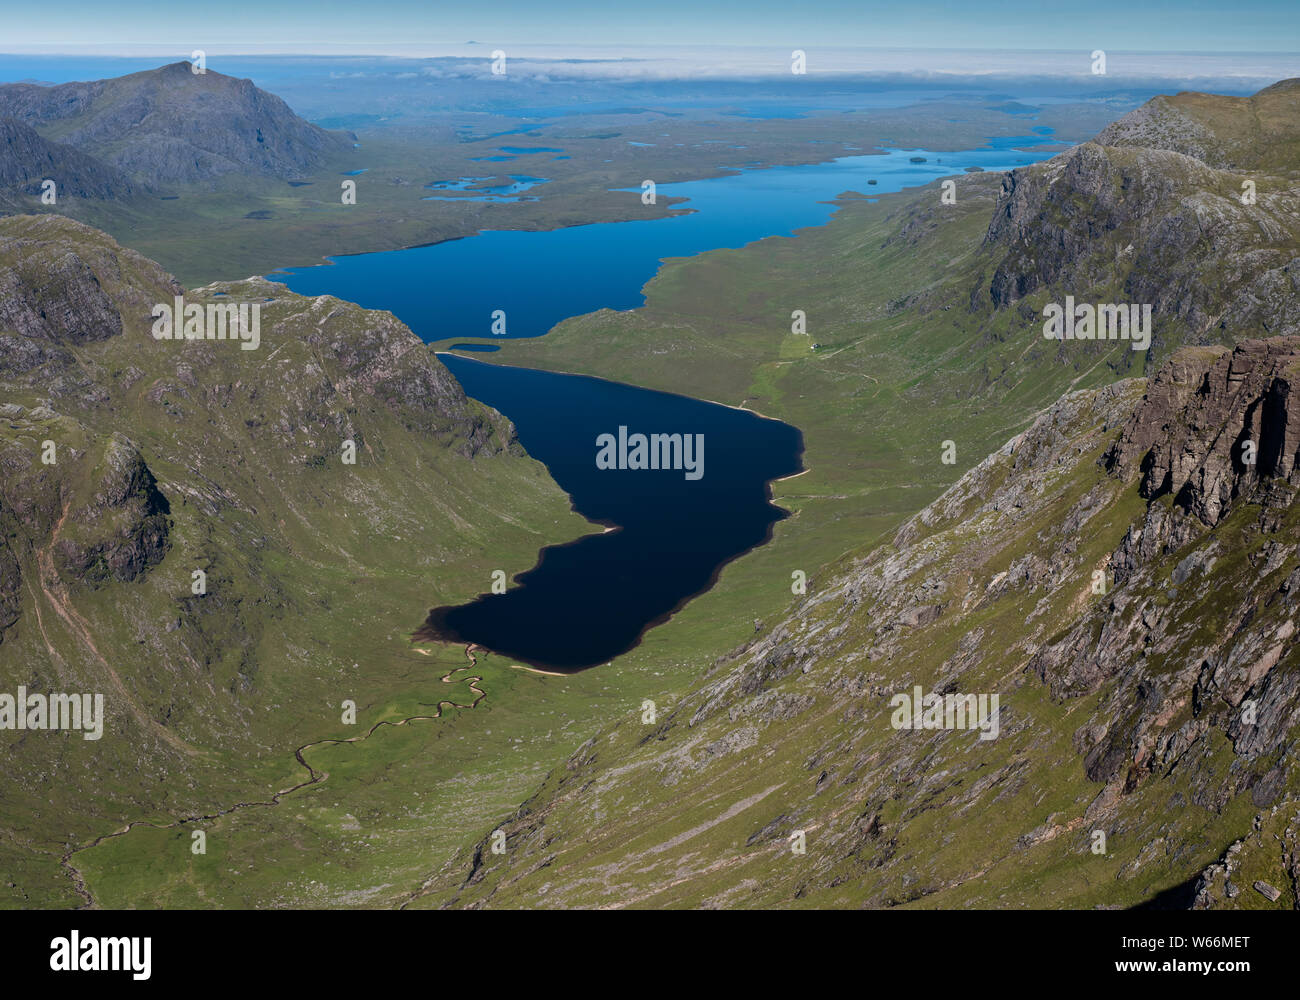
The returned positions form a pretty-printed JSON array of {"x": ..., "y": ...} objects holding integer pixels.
[{"x": 591, "y": 600}]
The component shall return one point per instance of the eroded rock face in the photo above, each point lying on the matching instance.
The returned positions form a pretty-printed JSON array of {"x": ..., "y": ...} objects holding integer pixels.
[
  {"x": 1053, "y": 220},
  {"x": 1176, "y": 679},
  {"x": 69, "y": 305},
  {"x": 1137, "y": 224},
  {"x": 66, "y": 284},
  {"x": 1215, "y": 425}
]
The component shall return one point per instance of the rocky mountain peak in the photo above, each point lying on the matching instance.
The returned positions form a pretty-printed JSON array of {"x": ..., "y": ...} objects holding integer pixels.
[
  {"x": 171, "y": 125},
  {"x": 1144, "y": 214},
  {"x": 1231, "y": 133},
  {"x": 67, "y": 283}
]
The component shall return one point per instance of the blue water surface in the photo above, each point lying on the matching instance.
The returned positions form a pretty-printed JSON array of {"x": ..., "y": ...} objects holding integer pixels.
[
  {"x": 586, "y": 602},
  {"x": 452, "y": 289}
]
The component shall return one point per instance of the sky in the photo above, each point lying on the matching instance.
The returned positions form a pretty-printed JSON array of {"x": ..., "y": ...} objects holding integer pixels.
[{"x": 429, "y": 27}]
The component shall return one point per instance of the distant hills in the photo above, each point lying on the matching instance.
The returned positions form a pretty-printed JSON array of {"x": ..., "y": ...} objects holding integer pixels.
[{"x": 160, "y": 128}]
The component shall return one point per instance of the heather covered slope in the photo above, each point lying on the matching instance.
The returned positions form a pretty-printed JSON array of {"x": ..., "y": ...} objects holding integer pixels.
[{"x": 176, "y": 457}]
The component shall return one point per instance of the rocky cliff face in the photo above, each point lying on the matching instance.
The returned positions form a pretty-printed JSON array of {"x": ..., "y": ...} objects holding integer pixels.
[
  {"x": 122, "y": 529},
  {"x": 61, "y": 292},
  {"x": 1142, "y": 216},
  {"x": 1216, "y": 531},
  {"x": 173, "y": 126},
  {"x": 1227, "y": 428}
]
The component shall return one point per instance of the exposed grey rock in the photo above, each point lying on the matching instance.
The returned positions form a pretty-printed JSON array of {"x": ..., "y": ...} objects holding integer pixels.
[{"x": 171, "y": 125}]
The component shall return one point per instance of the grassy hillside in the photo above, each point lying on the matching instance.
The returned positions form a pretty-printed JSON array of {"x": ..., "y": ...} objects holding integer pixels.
[{"x": 171, "y": 458}]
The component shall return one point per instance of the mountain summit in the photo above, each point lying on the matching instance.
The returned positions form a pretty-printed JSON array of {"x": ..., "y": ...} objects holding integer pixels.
[
  {"x": 1259, "y": 132},
  {"x": 171, "y": 125}
]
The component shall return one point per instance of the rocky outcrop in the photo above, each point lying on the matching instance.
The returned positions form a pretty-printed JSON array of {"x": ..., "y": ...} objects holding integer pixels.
[
  {"x": 1210, "y": 444},
  {"x": 1144, "y": 215},
  {"x": 119, "y": 532},
  {"x": 1231, "y": 133},
  {"x": 1229, "y": 881},
  {"x": 1162, "y": 123},
  {"x": 68, "y": 306},
  {"x": 1166, "y": 395},
  {"x": 1213, "y": 437},
  {"x": 66, "y": 284}
]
